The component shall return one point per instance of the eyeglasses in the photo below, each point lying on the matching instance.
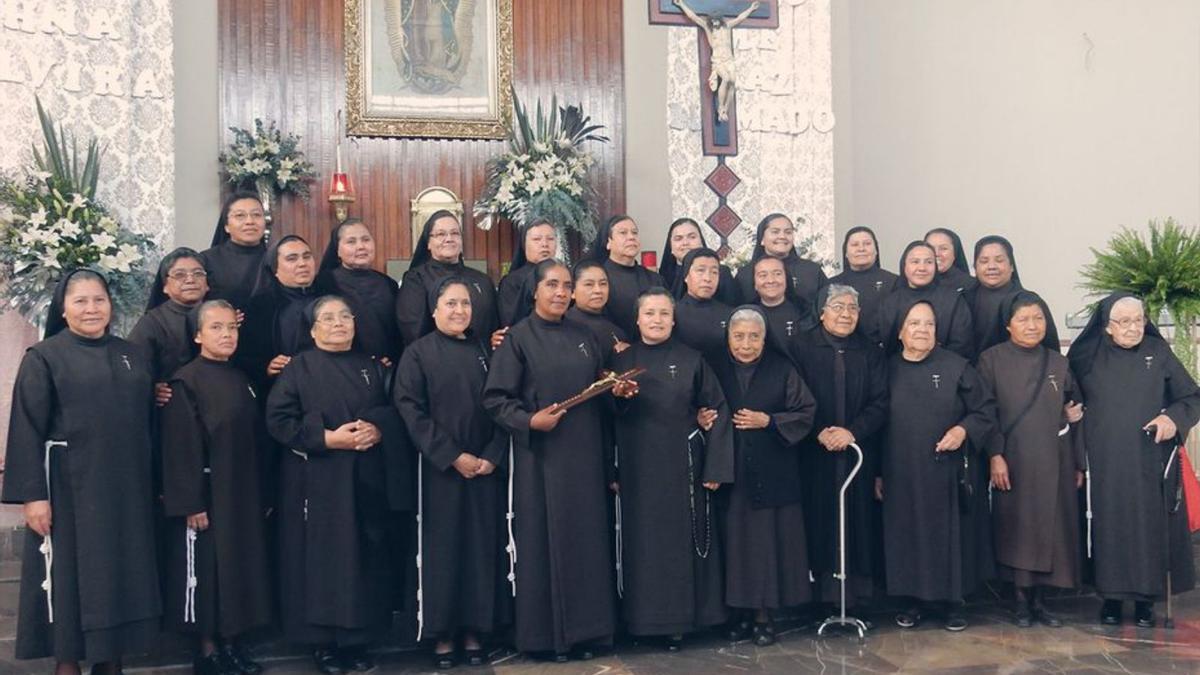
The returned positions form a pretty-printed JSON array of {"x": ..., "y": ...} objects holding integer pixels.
[
  {"x": 184, "y": 275},
  {"x": 441, "y": 236},
  {"x": 242, "y": 215},
  {"x": 839, "y": 308},
  {"x": 1126, "y": 324},
  {"x": 334, "y": 319}
]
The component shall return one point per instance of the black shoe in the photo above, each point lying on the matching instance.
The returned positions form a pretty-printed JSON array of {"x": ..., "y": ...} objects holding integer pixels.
[
  {"x": 764, "y": 634},
  {"x": 444, "y": 661},
  {"x": 909, "y": 619},
  {"x": 1024, "y": 617},
  {"x": 213, "y": 664},
  {"x": 583, "y": 654},
  {"x": 239, "y": 660},
  {"x": 674, "y": 643},
  {"x": 562, "y": 657},
  {"x": 327, "y": 662},
  {"x": 1046, "y": 618},
  {"x": 356, "y": 659},
  {"x": 955, "y": 623},
  {"x": 1143, "y": 614},
  {"x": 475, "y": 657},
  {"x": 1110, "y": 613},
  {"x": 737, "y": 631}
]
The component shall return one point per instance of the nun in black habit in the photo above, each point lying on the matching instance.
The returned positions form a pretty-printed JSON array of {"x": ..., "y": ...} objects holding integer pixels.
[
  {"x": 1036, "y": 460},
  {"x": 788, "y": 316},
  {"x": 935, "y": 533},
  {"x": 776, "y": 238},
  {"x": 953, "y": 269},
  {"x": 590, "y": 296},
  {"x": 668, "y": 467},
  {"x": 80, "y": 426},
  {"x": 918, "y": 282},
  {"x": 1141, "y": 402},
  {"x": 346, "y": 269},
  {"x": 766, "y": 557},
  {"x": 847, "y": 374},
  {"x": 234, "y": 260},
  {"x": 274, "y": 329},
  {"x": 559, "y": 542},
  {"x": 700, "y": 317},
  {"x": 213, "y": 441},
  {"x": 618, "y": 248},
  {"x": 439, "y": 390},
  {"x": 179, "y": 287},
  {"x": 683, "y": 237},
  {"x": 999, "y": 281},
  {"x": 347, "y": 463},
  {"x": 437, "y": 255},
  {"x": 862, "y": 272},
  {"x": 538, "y": 242}
]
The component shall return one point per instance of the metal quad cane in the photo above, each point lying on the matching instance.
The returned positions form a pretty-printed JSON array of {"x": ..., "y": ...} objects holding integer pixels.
[{"x": 841, "y": 619}]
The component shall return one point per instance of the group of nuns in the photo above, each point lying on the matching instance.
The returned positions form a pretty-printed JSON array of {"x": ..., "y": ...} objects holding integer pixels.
[{"x": 281, "y": 436}]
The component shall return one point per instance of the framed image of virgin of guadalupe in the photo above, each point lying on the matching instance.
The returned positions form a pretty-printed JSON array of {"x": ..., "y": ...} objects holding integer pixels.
[{"x": 429, "y": 68}]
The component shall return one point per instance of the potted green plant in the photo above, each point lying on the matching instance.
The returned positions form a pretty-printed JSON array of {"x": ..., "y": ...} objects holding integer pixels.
[{"x": 1164, "y": 272}]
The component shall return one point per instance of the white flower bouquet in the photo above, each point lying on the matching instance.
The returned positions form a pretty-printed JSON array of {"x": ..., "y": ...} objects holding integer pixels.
[
  {"x": 51, "y": 223},
  {"x": 267, "y": 158},
  {"x": 544, "y": 173}
]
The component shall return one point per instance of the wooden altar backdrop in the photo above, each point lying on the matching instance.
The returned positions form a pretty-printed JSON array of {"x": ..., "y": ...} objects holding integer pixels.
[{"x": 283, "y": 60}]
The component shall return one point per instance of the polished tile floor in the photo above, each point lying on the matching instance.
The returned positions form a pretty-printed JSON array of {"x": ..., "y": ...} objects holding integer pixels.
[{"x": 991, "y": 645}]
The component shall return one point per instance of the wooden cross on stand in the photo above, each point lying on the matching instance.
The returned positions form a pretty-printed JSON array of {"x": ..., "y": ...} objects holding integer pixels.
[{"x": 714, "y": 21}]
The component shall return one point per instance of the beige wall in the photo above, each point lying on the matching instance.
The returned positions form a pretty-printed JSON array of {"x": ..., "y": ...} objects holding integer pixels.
[
  {"x": 198, "y": 141},
  {"x": 647, "y": 178},
  {"x": 1002, "y": 117}
]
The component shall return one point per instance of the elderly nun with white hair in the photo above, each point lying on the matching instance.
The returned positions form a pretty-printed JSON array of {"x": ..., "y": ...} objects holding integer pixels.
[
  {"x": 1141, "y": 402},
  {"x": 766, "y": 556}
]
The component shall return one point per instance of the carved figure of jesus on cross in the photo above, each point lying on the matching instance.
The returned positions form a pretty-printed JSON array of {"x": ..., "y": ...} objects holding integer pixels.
[{"x": 716, "y": 20}]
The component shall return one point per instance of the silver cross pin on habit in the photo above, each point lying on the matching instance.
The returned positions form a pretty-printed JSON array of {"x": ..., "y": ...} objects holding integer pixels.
[
  {"x": 789, "y": 328},
  {"x": 937, "y": 381},
  {"x": 583, "y": 349},
  {"x": 1053, "y": 382},
  {"x": 482, "y": 363},
  {"x": 366, "y": 378},
  {"x": 671, "y": 369},
  {"x": 1149, "y": 360},
  {"x": 125, "y": 359}
]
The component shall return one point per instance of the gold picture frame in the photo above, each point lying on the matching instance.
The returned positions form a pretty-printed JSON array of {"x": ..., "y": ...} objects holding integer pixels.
[{"x": 417, "y": 69}]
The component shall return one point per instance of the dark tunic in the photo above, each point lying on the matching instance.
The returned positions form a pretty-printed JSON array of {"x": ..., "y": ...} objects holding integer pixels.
[
  {"x": 274, "y": 325},
  {"x": 625, "y": 284},
  {"x": 1131, "y": 533},
  {"x": 807, "y": 278},
  {"x": 786, "y": 324},
  {"x": 233, "y": 271},
  {"x": 700, "y": 324},
  {"x": 959, "y": 280},
  {"x": 213, "y": 439},
  {"x": 673, "y": 579},
  {"x": 335, "y": 571},
  {"x": 163, "y": 332},
  {"x": 766, "y": 558},
  {"x": 564, "y": 583},
  {"x": 515, "y": 296},
  {"x": 94, "y": 396},
  {"x": 873, "y": 285},
  {"x": 414, "y": 313},
  {"x": 371, "y": 296},
  {"x": 932, "y": 548},
  {"x": 607, "y": 333},
  {"x": 987, "y": 306},
  {"x": 462, "y": 552},
  {"x": 848, "y": 379},
  {"x": 954, "y": 325},
  {"x": 1036, "y": 524}
]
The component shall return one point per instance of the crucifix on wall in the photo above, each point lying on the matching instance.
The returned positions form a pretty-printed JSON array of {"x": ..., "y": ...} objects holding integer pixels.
[{"x": 715, "y": 21}]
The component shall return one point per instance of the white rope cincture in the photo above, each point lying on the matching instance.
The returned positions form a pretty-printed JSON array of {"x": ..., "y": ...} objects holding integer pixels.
[
  {"x": 47, "y": 546},
  {"x": 510, "y": 517},
  {"x": 618, "y": 541},
  {"x": 420, "y": 550},
  {"x": 189, "y": 591},
  {"x": 1087, "y": 479}
]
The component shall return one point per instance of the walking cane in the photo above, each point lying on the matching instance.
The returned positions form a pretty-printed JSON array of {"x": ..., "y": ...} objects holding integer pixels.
[
  {"x": 1169, "y": 622},
  {"x": 841, "y": 619}
]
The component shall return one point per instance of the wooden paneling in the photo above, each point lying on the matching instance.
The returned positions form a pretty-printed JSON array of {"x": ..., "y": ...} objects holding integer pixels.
[{"x": 282, "y": 60}]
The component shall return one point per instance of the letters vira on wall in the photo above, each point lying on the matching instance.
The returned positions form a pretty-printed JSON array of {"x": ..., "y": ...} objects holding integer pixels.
[{"x": 103, "y": 70}]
